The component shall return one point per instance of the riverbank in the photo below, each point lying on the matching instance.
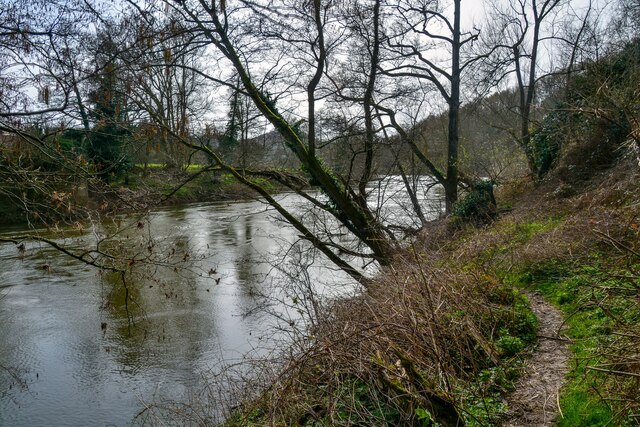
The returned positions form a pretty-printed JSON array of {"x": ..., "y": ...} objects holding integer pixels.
[
  {"x": 576, "y": 244},
  {"x": 135, "y": 192},
  {"x": 446, "y": 333},
  {"x": 167, "y": 187}
]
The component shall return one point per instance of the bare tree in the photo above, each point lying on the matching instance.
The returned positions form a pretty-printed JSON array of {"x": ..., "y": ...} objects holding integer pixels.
[
  {"x": 40, "y": 79},
  {"x": 523, "y": 32},
  {"x": 224, "y": 28},
  {"x": 162, "y": 82},
  {"x": 289, "y": 59},
  {"x": 627, "y": 18},
  {"x": 420, "y": 31}
]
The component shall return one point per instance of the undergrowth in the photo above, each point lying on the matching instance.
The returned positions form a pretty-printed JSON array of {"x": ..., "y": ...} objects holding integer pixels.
[
  {"x": 426, "y": 345},
  {"x": 586, "y": 263},
  {"x": 442, "y": 338}
]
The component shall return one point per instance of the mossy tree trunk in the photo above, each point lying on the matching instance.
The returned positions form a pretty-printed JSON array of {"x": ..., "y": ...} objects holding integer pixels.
[{"x": 350, "y": 210}]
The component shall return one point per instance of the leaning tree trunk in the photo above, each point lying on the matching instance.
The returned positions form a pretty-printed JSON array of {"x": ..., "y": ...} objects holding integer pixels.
[{"x": 357, "y": 217}]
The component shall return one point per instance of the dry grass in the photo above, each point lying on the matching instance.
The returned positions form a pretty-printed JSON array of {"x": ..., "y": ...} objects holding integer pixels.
[
  {"x": 404, "y": 352},
  {"x": 591, "y": 224},
  {"x": 594, "y": 228},
  {"x": 414, "y": 346},
  {"x": 621, "y": 366}
]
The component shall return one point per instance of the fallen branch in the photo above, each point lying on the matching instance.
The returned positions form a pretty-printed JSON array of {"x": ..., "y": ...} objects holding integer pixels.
[
  {"x": 616, "y": 243},
  {"x": 611, "y": 371}
]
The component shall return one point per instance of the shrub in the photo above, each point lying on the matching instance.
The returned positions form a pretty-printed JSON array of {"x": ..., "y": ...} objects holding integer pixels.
[
  {"x": 405, "y": 353},
  {"x": 479, "y": 205}
]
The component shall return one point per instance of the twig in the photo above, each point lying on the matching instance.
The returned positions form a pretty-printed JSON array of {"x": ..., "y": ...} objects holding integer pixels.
[
  {"x": 558, "y": 403},
  {"x": 611, "y": 371},
  {"x": 83, "y": 257},
  {"x": 567, "y": 340},
  {"x": 616, "y": 243}
]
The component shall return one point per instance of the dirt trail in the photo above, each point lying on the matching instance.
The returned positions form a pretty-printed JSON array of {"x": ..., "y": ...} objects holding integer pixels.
[{"x": 535, "y": 400}]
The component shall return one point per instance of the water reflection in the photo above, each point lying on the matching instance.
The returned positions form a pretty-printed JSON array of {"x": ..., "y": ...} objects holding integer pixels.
[{"x": 92, "y": 347}]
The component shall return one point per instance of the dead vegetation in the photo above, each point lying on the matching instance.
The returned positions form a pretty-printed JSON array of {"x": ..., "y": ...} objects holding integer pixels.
[
  {"x": 434, "y": 338},
  {"x": 584, "y": 250},
  {"x": 404, "y": 353},
  {"x": 439, "y": 337}
]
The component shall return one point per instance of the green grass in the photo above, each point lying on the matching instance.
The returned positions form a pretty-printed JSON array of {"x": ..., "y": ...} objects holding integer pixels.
[
  {"x": 532, "y": 228},
  {"x": 589, "y": 311},
  {"x": 151, "y": 165},
  {"x": 193, "y": 168},
  {"x": 512, "y": 236},
  {"x": 597, "y": 294},
  {"x": 187, "y": 168}
]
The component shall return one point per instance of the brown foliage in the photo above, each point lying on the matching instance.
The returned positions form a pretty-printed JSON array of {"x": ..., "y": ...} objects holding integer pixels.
[{"x": 408, "y": 344}]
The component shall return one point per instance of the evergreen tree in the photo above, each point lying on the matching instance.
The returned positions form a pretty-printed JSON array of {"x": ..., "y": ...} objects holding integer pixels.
[
  {"x": 230, "y": 141},
  {"x": 105, "y": 144}
]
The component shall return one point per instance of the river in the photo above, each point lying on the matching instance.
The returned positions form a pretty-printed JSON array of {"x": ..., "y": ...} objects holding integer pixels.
[{"x": 72, "y": 353}]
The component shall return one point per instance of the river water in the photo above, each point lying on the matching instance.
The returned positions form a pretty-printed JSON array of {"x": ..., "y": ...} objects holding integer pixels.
[{"x": 73, "y": 353}]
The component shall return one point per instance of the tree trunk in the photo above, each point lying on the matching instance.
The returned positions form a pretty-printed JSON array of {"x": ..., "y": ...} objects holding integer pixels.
[
  {"x": 355, "y": 216},
  {"x": 525, "y": 141},
  {"x": 451, "y": 186}
]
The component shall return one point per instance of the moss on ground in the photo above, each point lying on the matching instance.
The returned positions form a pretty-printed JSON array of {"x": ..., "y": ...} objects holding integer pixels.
[{"x": 593, "y": 313}]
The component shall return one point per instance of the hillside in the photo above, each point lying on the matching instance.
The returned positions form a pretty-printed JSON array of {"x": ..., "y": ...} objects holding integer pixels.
[{"x": 444, "y": 334}]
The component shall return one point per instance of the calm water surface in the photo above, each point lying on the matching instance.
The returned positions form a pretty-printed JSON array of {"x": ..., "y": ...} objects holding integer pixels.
[
  {"x": 73, "y": 354},
  {"x": 69, "y": 354}
]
